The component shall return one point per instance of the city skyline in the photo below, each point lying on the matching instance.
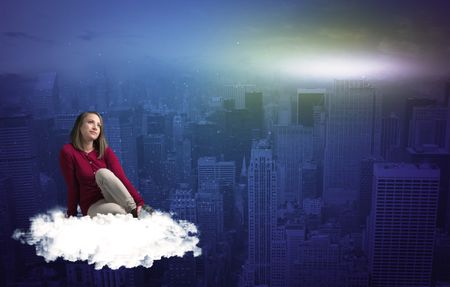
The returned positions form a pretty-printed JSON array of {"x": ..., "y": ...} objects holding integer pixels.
[{"x": 308, "y": 141}]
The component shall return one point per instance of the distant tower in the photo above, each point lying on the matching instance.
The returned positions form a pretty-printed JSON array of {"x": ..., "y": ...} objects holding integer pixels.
[
  {"x": 182, "y": 271},
  {"x": 44, "y": 102},
  {"x": 221, "y": 173},
  {"x": 293, "y": 145},
  {"x": 402, "y": 224},
  {"x": 307, "y": 99},
  {"x": 255, "y": 111},
  {"x": 428, "y": 127},
  {"x": 209, "y": 202},
  {"x": 390, "y": 135},
  {"x": 262, "y": 195},
  {"x": 151, "y": 153},
  {"x": 19, "y": 173},
  {"x": 352, "y": 134},
  {"x": 236, "y": 93}
]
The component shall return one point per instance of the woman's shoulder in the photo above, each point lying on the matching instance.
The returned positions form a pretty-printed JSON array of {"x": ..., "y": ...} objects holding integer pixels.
[
  {"x": 108, "y": 151},
  {"x": 68, "y": 148}
]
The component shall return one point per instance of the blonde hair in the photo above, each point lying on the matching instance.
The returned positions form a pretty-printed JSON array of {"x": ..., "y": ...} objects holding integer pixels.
[{"x": 100, "y": 143}]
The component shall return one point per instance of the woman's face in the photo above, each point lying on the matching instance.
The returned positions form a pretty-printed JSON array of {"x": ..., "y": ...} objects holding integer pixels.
[{"x": 91, "y": 127}]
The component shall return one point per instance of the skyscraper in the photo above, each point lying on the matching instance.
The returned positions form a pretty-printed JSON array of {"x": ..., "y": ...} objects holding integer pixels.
[
  {"x": 390, "y": 135},
  {"x": 236, "y": 93},
  {"x": 293, "y": 145},
  {"x": 44, "y": 102},
  {"x": 353, "y": 132},
  {"x": 307, "y": 99},
  {"x": 19, "y": 173},
  {"x": 402, "y": 224},
  {"x": 262, "y": 196},
  {"x": 221, "y": 173},
  {"x": 428, "y": 129}
]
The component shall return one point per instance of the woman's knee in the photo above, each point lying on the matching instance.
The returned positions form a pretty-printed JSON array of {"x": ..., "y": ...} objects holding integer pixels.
[{"x": 103, "y": 174}]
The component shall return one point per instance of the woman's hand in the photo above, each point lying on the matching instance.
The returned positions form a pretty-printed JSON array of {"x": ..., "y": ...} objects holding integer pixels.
[{"x": 138, "y": 210}]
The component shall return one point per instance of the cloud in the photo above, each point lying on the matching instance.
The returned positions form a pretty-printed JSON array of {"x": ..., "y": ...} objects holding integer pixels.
[
  {"x": 22, "y": 35},
  {"x": 110, "y": 240},
  {"x": 88, "y": 36}
]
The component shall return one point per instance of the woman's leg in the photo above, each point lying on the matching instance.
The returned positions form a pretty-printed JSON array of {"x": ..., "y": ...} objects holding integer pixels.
[
  {"x": 113, "y": 189},
  {"x": 104, "y": 207}
]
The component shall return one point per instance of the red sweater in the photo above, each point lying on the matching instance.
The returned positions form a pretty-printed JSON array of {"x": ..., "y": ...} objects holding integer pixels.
[{"x": 79, "y": 168}]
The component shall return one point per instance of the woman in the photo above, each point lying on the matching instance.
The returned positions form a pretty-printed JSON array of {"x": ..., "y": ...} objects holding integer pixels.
[{"x": 95, "y": 179}]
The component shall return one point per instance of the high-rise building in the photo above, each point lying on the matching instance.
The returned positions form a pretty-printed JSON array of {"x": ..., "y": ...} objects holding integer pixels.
[
  {"x": 255, "y": 112},
  {"x": 402, "y": 224},
  {"x": 295, "y": 236},
  {"x": 410, "y": 104},
  {"x": 18, "y": 161},
  {"x": 318, "y": 262},
  {"x": 366, "y": 187},
  {"x": 222, "y": 173},
  {"x": 390, "y": 136},
  {"x": 19, "y": 167},
  {"x": 307, "y": 99},
  {"x": 309, "y": 180},
  {"x": 278, "y": 267},
  {"x": 262, "y": 198},
  {"x": 209, "y": 202},
  {"x": 353, "y": 132},
  {"x": 182, "y": 271},
  {"x": 236, "y": 93},
  {"x": 44, "y": 102},
  {"x": 428, "y": 129},
  {"x": 293, "y": 146},
  {"x": 319, "y": 133},
  {"x": 151, "y": 151}
]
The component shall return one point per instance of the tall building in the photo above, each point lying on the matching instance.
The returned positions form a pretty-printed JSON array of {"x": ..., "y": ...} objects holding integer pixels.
[
  {"x": 295, "y": 236},
  {"x": 309, "y": 180},
  {"x": 209, "y": 202},
  {"x": 353, "y": 132},
  {"x": 44, "y": 102},
  {"x": 293, "y": 145},
  {"x": 236, "y": 93},
  {"x": 182, "y": 271},
  {"x": 262, "y": 196},
  {"x": 410, "y": 104},
  {"x": 151, "y": 151},
  {"x": 366, "y": 187},
  {"x": 307, "y": 99},
  {"x": 319, "y": 133},
  {"x": 255, "y": 112},
  {"x": 222, "y": 173},
  {"x": 318, "y": 262},
  {"x": 20, "y": 175},
  {"x": 278, "y": 267},
  {"x": 18, "y": 161},
  {"x": 402, "y": 224},
  {"x": 428, "y": 129},
  {"x": 390, "y": 136}
]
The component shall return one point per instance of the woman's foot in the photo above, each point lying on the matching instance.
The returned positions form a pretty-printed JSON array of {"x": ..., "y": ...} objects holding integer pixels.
[{"x": 148, "y": 209}]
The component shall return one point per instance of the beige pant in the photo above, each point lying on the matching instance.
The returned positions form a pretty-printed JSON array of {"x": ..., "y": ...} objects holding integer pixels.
[{"x": 117, "y": 199}]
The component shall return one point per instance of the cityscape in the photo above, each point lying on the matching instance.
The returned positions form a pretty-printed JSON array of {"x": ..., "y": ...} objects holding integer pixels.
[{"x": 293, "y": 177}]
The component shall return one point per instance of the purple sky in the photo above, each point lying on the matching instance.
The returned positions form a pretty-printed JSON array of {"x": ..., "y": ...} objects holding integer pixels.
[{"x": 76, "y": 36}]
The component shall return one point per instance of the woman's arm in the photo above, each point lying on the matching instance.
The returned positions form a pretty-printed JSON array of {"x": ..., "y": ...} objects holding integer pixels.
[
  {"x": 66, "y": 162},
  {"x": 113, "y": 165}
]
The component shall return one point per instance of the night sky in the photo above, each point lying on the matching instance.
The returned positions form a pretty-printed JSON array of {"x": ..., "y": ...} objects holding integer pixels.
[{"x": 289, "y": 37}]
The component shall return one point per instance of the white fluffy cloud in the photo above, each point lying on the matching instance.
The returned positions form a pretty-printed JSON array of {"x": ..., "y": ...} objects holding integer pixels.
[{"x": 110, "y": 240}]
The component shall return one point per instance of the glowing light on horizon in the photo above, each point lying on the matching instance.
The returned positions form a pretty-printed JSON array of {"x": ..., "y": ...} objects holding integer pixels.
[{"x": 337, "y": 68}]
